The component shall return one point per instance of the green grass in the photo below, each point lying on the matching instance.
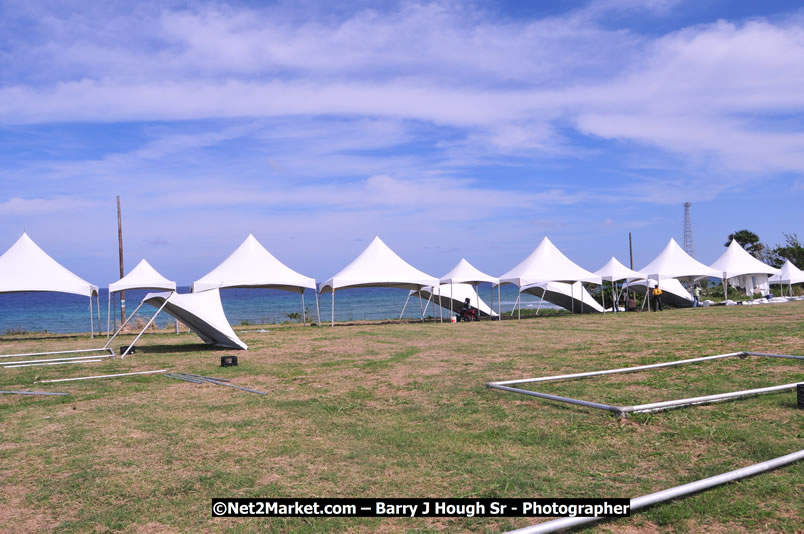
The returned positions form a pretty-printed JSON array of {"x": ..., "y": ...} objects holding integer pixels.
[{"x": 400, "y": 410}]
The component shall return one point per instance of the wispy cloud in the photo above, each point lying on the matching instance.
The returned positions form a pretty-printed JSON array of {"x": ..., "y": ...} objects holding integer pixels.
[
  {"x": 44, "y": 206},
  {"x": 431, "y": 114}
]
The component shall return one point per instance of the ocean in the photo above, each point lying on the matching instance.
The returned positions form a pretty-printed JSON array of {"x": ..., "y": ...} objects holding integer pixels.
[{"x": 63, "y": 313}]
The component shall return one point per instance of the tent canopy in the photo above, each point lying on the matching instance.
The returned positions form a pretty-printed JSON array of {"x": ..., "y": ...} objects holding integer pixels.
[
  {"x": 26, "y": 267},
  {"x": 143, "y": 276},
  {"x": 614, "y": 270},
  {"x": 465, "y": 272},
  {"x": 202, "y": 313},
  {"x": 572, "y": 297},
  {"x": 673, "y": 262},
  {"x": 379, "y": 266},
  {"x": 547, "y": 264},
  {"x": 251, "y": 265},
  {"x": 788, "y": 274},
  {"x": 735, "y": 261},
  {"x": 462, "y": 292}
]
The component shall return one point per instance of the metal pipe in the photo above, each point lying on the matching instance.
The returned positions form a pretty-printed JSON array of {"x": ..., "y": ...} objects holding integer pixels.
[
  {"x": 51, "y": 363},
  {"x": 317, "y": 307},
  {"x": 404, "y": 307},
  {"x": 145, "y": 328},
  {"x": 775, "y": 355},
  {"x": 669, "y": 494},
  {"x": 8, "y": 364},
  {"x": 31, "y": 393},
  {"x": 100, "y": 376},
  {"x": 720, "y": 397},
  {"x": 104, "y": 349},
  {"x": 617, "y": 410},
  {"x": 200, "y": 380},
  {"x": 621, "y": 370},
  {"x": 202, "y": 376},
  {"x": 122, "y": 326}
]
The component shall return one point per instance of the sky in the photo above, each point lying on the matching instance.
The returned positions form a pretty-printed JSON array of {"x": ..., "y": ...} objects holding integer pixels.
[{"x": 449, "y": 128}]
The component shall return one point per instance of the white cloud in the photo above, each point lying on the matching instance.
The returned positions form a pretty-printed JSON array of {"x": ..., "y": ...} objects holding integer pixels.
[
  {"x": 18, "y": 206},
  {"x": 717, "y": 97}
]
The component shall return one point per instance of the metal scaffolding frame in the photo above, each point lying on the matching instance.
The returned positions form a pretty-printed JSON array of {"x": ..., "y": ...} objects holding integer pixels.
[{"x": 623, "y": 411}]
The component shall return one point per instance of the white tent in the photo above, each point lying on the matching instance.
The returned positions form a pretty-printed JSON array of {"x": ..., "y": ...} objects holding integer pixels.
[
  {"x": 26, "y": 267},
  {"x": 742, "y": 269},
  {"x": 565, "y": 295},
  {"x": 446, "y": 299},
  {"x": 143, "y": 276},
  {"x": 377, "y": 266},
  {"x": 673, "y": 262},
  {"x": 788, "y": 274},
  {"x": 546, "y": 264},
  {"x": 466, "y": 273},
  {"x": 202, "y": 312},
  {"x": 613, "y": 271},
  {"x": 673, "y": 292},
  {"x": 252, "y": 266}
]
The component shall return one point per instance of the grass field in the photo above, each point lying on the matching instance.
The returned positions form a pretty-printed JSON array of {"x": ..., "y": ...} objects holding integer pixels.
[{"x": 400, "y": 410}]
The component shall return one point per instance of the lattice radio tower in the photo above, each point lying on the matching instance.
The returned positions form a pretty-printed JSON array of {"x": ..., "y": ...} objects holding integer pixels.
[{"x": 689, "y": 248}]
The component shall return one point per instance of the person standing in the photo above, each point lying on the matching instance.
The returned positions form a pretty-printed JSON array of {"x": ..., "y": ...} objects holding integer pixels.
[
  {"x": 657, "y": 297},
  {"x": 696, "y": 301}
]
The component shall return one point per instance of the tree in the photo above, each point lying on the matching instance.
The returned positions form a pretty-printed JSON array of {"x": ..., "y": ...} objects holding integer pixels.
[
  {"x": 792, "y": 250},
  {"x": 749, "y": 241}
]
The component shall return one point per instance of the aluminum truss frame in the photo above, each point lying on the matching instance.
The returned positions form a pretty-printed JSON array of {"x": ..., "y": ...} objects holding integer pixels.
[{"x": 623, "y": 411}]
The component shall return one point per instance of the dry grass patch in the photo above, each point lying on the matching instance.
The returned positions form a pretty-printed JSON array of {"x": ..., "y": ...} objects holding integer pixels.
[{"x": 400, "y": 410}]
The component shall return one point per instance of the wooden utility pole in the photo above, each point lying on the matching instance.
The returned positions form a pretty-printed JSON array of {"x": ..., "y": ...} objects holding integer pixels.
[
  {"x": 631, "y": 252},
  {"x": 630, "y": 243},
  {"x": 122, "y": 271}
]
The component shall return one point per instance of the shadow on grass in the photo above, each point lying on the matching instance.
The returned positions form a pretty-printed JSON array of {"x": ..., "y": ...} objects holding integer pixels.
[{"x": 187, "y": 347}]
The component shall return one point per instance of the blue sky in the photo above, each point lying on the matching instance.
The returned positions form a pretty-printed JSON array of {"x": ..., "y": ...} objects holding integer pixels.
[{"x": 450, "y": 129}]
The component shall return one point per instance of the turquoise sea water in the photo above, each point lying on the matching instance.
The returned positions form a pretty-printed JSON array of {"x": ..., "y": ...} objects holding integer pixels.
[{"x": 57, "y": 312}]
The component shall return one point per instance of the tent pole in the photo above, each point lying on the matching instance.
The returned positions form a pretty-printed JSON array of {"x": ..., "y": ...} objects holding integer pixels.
[
  {"x": 725, "y": 284},
  {"x": 544, "y": 290},
  {"x": 108, "y": 315},
  {"x": 581, "y": 283},
  {"x": 519, "y": 302},
  {"x": 333, "y": 307},
  {"x": 478, "y": 302},
  {"x": 144, "y": 329},
  {"x": 97, "y": 304},
  {"x": 421, "y": 308},
  {"x": 405, "y": 306},
  {"x": 603, "y": 295},
  {"x": 317, "y": 307},
  {"x": 572, "y": 297},
  {"x": 91, "y": 325},
  {"x": 613, "y": 296},
  {"x": 122, "y": 326},
  {"x": 427, "y": 305},
  {"x": 304, "y": 318},
  {"x": 451, "y": 296},
  {"x": 499, "y": 304},
  {"x": 440, "y": 307},
  {"x": 515, "y": 303}
]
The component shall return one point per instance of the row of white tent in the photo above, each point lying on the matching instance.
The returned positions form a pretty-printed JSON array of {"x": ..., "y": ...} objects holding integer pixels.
[{"x": 26, "y": 267}]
